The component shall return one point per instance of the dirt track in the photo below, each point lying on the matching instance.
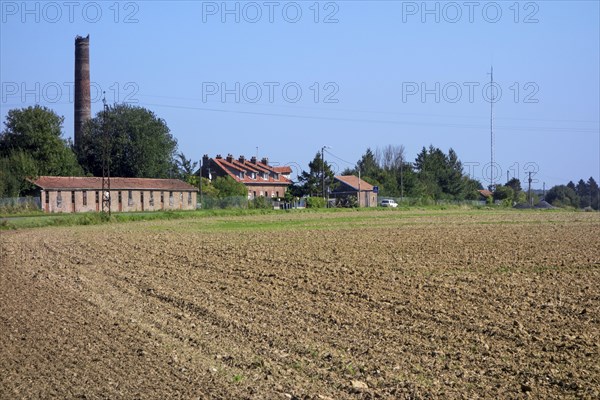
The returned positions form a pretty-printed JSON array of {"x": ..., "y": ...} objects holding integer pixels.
[{"x": 357, "y": 305}]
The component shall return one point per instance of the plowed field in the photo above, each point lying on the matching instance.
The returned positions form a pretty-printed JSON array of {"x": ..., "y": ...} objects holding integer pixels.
[{"x": 356, "y": 305}]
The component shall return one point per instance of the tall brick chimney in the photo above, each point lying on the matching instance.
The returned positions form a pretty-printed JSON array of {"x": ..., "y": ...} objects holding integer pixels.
[{"x": 83, "y": 101}]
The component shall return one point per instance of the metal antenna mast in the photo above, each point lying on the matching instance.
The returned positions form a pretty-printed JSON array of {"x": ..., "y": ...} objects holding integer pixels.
[
  {"x": 105, "y": 160},
  {"x": 492, "y": 168}
]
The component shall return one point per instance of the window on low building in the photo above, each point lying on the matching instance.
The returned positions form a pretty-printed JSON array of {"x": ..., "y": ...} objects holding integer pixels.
[
  {"x": 130, "y": 198},
  {"x": 97, "y": 197},
  {"x": 189, "y": 198},
  {"x": 72, "y": 197},
  {"x": 47, "y": 197},
  {"x": 180, "y": 197},
  {"x": 171, "y": 199},
  {"x": 85, "y": 197},
  {"x": 120, "y": 197},
  {"x": 151, "y": 201},
  {"x": 59, "y": 198},
  {"x": 162, "y": 197}
]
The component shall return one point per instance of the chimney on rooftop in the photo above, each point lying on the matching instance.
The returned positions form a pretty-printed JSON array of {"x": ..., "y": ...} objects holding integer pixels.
[
  {"x": 229, "y": 158},
  {"x": 242, "y": 159},
  {"x": 83, "y": 102},
  {"x": 265, "y": 161},
  {"x": 253, "y": 160}
]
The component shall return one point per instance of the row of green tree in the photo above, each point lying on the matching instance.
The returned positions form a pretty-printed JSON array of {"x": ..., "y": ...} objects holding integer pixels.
[
  {"x": 581, "y": 195},
  {"x": 433, "y": 174},
  {"x": 32, "y": 144}
]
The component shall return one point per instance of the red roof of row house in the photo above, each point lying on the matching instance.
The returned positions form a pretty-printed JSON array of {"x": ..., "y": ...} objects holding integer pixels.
[
  {"x": 251, "y": 172},
  {"x": 353, "y": 181},
  {"x": 286, "y": 169},
  {"x": 486, "y": 193},
  {"x": 95, "y": 183}
]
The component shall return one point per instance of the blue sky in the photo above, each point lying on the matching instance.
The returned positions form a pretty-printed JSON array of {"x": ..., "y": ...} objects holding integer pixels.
[{"x": 347, "y": 74}]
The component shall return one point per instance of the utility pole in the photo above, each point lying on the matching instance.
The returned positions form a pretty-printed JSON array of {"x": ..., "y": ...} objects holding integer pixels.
[
  {"x": 106, "y": 152},
  {"x": 402, "y": 178},
  {"x": 529, "y": 191},
  {"x": 323, "y": 168},
  {"x": 200, "y": 179},
  {"x": 323, "y": 171},
  {"x": 359, "y": 194},
  {"x": 544, "y": 190}
]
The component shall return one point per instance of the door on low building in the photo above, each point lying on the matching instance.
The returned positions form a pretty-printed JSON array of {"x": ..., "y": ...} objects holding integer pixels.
[{"x": 47, "y": 205}]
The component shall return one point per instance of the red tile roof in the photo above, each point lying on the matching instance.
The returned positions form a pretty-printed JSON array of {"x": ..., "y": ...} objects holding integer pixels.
[
  {"x": 95, "y": 183},
  {"x": 286, "y": 169},
  {"x": 249, "y": 166},
  {"x": 485, "y": 193},
  {"x": 353, "y": 181}
]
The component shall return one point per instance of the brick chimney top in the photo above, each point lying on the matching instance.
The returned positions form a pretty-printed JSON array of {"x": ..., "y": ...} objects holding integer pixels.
[
  {"x": 265, "y": 161},
  {"x": 253, "y": 160},
  {"x": 242, "y": 159},
  {"x": 219, "y": 157},
  {"x": 229, "y": 158}
]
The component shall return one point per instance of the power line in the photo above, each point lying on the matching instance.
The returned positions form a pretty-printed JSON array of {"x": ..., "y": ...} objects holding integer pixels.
[
  {"x": 354, "y": 110},
  {"x": 542, "y": 129},
  {"x": 338, "y": 158},
  {"x": 377, "y": 121}
]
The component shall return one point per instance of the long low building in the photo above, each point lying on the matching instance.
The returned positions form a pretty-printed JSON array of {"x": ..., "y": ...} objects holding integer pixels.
[{"x": 63, "y": 194}]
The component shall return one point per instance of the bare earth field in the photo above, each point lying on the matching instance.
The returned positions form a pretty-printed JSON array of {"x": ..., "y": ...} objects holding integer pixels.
[{"x": 356, "y": 305}]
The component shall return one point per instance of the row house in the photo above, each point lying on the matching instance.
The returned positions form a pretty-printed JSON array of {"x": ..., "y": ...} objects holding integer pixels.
[{"x": 261, "y": 178}]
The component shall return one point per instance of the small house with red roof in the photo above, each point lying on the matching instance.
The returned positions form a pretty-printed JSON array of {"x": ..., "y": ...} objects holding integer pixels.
[
  {"x": 350, "y": 185},
  {"x": 261, "y": 178},
  {"x": 485, "y": 194}
]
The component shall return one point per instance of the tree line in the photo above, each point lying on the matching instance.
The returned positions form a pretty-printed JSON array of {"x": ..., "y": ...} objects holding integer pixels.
[
  {"x": 433, "y": 174},
  {"x": 581, "y": 195},
  {"x": 32, "y": 144}
]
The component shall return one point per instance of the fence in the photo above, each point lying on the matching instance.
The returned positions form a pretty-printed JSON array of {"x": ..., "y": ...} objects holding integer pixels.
[
  {"x": 242, "y": 202},
  {"x": 425, "y": 201},
  {"x": 20, "y": 203}
]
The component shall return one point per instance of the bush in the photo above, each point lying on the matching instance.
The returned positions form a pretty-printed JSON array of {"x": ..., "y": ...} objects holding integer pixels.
[
  {"x": 225, "y": 202},
  {"x": 315, "y": 202},
  {"x": 260, "y": 203}
]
